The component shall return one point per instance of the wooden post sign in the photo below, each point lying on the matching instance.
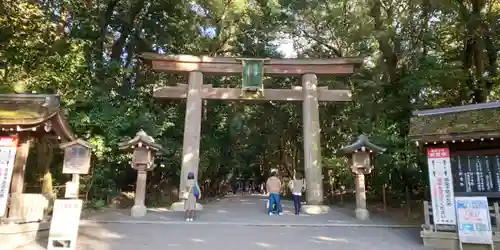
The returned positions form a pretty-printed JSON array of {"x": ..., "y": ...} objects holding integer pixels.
[
  {"x": 71, "y": 190},
  {"x": 473, "y": 221},
  {"x": 8, "y": 147},
  {"x": 64, "y": 225},
  {"x": 76, "y": 157}
]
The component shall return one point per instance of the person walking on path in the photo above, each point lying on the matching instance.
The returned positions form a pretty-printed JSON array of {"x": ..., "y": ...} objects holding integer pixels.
[
  {"x": 297, "y": 186},
  {"x": 191, "y": 193},
  {"x": 273, "y": 186},
  {"x": 234, "y": 186}
]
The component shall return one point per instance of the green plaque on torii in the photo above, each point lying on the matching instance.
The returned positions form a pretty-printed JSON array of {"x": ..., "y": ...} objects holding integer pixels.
[{"x": 253, "y": 76}]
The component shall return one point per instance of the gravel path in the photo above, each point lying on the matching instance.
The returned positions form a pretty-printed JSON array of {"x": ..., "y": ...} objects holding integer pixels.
[{"x": 221, "y": 227}]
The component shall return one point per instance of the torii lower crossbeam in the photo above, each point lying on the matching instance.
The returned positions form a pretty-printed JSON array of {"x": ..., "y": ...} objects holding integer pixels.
[{"x": 231, "y": 94}]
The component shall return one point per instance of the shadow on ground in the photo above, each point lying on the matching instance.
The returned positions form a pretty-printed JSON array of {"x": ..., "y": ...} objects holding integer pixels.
[
  {"x": 210, "y": 237},
  {"x": 233, "y": 223},
  {"x": 242, "y": 210}
]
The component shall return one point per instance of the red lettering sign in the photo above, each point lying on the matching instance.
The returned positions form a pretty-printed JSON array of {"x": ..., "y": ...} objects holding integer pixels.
[
  {"x": 8, "y": 141},
  {"x": 438, "y": 153}
]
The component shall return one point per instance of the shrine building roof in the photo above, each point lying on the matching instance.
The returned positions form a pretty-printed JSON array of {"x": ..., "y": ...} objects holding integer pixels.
[
  {"x": 456, "y": 124},
  {"x": 35, "y": 113}
]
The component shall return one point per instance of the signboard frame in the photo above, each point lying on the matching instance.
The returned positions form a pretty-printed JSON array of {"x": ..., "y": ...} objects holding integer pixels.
[
  {"x": 65, "y": 222},
  {"x": 253, "y": 73},
  {"x": 76, "y": 159},
  {"x": 441, "y": 185},
  {"x": 8, "y": 149},
  {"x": 470, "y": 171},
  {"x": 473, "y": 209}
]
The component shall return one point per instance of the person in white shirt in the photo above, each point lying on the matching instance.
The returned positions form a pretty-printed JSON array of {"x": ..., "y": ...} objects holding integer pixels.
[{"x": 297, "y": 186}]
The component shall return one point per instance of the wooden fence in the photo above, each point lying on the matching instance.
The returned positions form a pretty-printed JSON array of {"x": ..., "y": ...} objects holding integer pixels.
[{"x": 429, "y": 226}]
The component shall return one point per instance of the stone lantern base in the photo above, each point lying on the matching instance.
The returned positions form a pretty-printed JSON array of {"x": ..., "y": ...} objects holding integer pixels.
[
  {"x": 179, "y": 206},
  {"x": 315, "y": 209},
  {"x": 362, "y": 214}
]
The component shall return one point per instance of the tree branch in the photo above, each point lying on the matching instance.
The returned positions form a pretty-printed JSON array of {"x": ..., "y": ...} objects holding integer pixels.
[{"x": 335, "y": 51}]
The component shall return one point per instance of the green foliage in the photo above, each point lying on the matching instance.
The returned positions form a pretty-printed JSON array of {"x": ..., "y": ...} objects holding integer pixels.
[
  {"x": 419, "y": 55},
  {"x": 96, "y": 204}
]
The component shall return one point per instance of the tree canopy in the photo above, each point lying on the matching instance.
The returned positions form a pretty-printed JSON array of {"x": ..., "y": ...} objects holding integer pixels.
[{"x": 419, "y": 54}]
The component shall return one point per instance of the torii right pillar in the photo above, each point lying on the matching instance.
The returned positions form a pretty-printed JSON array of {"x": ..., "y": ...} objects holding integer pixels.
[
  {"x": 312, "y": 146},
  {"x": 360, "y": 154}
]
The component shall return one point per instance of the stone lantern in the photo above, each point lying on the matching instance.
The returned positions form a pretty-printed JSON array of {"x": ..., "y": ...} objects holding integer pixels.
[
  {"x": 77, "y": 154},
  {"x": 360, "y": 155},
  {"x": 143, "y": 148}
]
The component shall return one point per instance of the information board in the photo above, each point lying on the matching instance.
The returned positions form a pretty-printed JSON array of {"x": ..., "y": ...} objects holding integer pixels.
[
  {"x": 76, "y": 160},
  {"x": 476, "y": 174},
  {"x": 8, "y": 148},
  {"x": 65, "y": 221},
  {"x": 441, "y": 184},
  {"x": 473, "y": 220}
]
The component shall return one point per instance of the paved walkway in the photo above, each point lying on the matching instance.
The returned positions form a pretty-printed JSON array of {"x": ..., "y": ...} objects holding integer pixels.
[
  {"x": 245, "y": 210},
  {"x": 239, "y": 223}
]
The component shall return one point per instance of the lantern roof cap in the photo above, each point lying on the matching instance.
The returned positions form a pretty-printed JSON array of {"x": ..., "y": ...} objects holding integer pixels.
[
  {"x": 140, "y": 139},
  {"x": 362, "y": 143},
  {"x": 78, "y": 141}
]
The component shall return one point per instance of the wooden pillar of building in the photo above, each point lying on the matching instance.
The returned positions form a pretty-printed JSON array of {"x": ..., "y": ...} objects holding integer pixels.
[
  {"x": 45, "y": 155},
  {"x": 17, "y": 183}
]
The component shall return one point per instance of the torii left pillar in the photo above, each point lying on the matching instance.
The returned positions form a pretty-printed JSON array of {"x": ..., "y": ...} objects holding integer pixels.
[{"x": 192, "y": 131}]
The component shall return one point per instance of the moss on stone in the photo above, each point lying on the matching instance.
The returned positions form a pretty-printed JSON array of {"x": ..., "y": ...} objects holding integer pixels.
[
  {"x": 19, "y": 114},
  {"x": 484, "y": 120}
]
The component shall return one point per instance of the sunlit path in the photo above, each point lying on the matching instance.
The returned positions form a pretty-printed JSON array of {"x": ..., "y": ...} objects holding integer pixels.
[
  {"x": 237, "y": 222},
  {"x": 134, "y": 237},
  {"x": 239, "y": 210}
]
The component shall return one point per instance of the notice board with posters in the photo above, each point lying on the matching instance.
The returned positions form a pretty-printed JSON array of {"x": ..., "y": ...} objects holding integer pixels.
[
  {"x": 8, "y": 148},
  {"x": 473, "y": 221},
  {"x": 441, "y": 186}
]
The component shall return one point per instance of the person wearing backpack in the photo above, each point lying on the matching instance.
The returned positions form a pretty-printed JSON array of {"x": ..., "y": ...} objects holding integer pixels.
[{"x": 191, "y": 193}]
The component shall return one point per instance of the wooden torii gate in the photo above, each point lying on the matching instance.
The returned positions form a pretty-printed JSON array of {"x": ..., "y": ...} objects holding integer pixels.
[{"x": 253, "y": 70}]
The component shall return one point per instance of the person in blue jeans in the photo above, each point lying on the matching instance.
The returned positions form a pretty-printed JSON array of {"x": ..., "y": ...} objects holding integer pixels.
[
  {"x": 273, "y": 186},
  {"x": 297, "y": 186}
]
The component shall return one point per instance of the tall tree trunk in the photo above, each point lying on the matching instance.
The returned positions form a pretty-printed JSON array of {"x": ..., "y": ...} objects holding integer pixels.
[
  {"x": 126, "y": 29},
  {"x": 98, "y": 50}
]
